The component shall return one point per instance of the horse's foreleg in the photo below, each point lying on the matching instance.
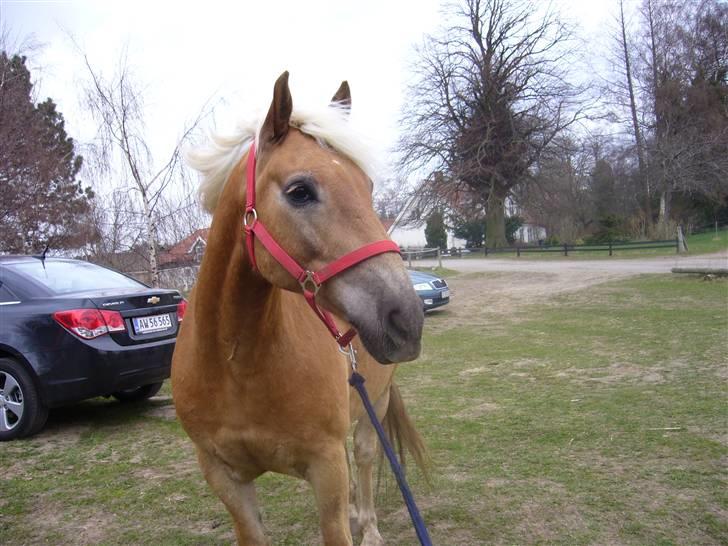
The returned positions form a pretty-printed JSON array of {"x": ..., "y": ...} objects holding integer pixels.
[
  {"x": 239, "y": 498},
  {"x": 365, "y": 453},
  {"x": 329, "y": 477},
  {"x": 353, "y": 512}
]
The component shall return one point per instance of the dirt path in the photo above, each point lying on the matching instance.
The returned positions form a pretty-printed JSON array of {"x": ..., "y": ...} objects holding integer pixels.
[
  {"x": 621, "y": 267},
  {"x": 482, "y": 300}
]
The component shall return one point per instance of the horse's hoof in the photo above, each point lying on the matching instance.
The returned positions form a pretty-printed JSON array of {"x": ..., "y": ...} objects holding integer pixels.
[{"x": 372, "y": 538}]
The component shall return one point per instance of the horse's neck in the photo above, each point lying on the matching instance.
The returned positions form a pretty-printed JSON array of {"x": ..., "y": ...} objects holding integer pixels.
[{"x": 235, "y": 308}]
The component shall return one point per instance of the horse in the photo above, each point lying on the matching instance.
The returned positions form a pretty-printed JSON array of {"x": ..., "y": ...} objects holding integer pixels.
[{"x": 259, "y": 385}]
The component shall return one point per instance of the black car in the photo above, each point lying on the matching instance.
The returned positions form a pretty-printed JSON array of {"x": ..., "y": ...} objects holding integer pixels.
[
  {"x": 71, "y": 330},
  {"x": 432, "y": 290}
]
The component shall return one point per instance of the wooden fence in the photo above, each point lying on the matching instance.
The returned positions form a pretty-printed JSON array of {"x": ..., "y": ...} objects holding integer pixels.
[{"x": 565, "y": 249}]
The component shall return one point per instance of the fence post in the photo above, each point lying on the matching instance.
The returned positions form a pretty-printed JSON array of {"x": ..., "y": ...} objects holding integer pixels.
[
  {"x": 610, "y": 247},
  {"x": 486, "y": 251},
  {"x": 518, "y": 251},
  {"x": 439, "y": 258},
  {"x": 409, "y": 260},
  {"x": 566, "y": 249},
  {"x": 680, "y": 243}
]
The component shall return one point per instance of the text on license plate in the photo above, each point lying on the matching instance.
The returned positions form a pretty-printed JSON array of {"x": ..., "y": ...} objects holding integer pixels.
[
  {"x": 155, "y": 323},
  {"x": 445, "y": 294}
]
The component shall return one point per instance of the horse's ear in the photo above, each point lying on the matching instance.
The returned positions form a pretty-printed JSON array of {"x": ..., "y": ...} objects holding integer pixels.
[
  {"x": 275, "y": 126},
  {"x": 342, "y": 97}
]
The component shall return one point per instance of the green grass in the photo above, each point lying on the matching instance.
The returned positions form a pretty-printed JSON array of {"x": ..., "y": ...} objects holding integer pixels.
[
  {"x": 437, "y": 271},
  {"x": 578, "y": 400},
  {"x": 707, "y": 243},
  {"x": 598, "y": 417}
]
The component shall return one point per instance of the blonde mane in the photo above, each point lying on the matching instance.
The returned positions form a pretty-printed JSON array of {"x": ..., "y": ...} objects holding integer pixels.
[{"x": 329, "y": 125}]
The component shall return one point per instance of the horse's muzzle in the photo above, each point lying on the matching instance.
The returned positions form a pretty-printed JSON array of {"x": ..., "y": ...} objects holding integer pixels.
[
  {"x": 402, "y": 334},
  {"x": 382, "y": 305}
]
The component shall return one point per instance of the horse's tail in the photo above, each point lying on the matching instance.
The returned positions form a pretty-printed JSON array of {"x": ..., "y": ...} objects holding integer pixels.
[{"x": 403, "y": 434}]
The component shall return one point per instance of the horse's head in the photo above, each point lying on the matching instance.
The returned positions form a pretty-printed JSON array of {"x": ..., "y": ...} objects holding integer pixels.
[{"x": 317, "y": 204}]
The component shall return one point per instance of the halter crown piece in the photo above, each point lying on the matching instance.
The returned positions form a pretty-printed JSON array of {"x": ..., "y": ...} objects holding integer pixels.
[{"x": 310, "y": 281}]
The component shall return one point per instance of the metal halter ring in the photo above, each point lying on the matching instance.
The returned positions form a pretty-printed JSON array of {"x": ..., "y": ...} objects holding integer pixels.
[
  {"x": 309, "y": 278},
  {"x": 247, "y": 215}
]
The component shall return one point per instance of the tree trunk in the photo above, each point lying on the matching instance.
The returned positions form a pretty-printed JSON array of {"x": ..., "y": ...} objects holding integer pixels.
[
  {"x": 664, "y": 206},
  {"x": 495, "y": 221},
  {"x": 644, "y": 175},
  {"x": 151, "y": 242}
]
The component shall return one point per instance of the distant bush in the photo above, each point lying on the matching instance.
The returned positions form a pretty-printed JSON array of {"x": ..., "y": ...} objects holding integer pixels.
[{"x": 611, "y": 228}]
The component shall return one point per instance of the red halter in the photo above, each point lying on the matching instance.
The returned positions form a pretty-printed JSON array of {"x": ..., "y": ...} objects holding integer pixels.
[{"x": 310, "y": 281}]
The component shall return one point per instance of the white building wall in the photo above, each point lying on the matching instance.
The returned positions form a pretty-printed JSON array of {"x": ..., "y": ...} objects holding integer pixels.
[
  {"x": 414, "y": 237},
  {"x": 528, "y": 233},
  {"x": 409, "y": 237},
  {"x": 453, "y": 241}
]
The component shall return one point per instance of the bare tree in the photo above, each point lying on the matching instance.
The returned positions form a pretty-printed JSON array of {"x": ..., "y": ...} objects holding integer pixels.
[
  {"x": 117, "y": 240},
  {"x": 180, "y": 213},
  {"x": 117, "y": 104},
  {"x": 637, "y": 132},
  {"x": 684, "y": 62},
  {"x": 491, "y": 95},
  {"x": 390, "y": 197},
  {"x": 559, "y": 196},
  {"x": 669, "y": 80}
]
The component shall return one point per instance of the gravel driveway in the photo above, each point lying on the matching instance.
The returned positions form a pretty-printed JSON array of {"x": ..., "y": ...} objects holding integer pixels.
[
  {"x": 511, "y": 284},
  {"x": 611, "y": 267}
]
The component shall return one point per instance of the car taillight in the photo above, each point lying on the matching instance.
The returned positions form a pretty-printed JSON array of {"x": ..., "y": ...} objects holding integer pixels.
[
  {"x": 181, "y": 310},
  {"x": 114, "y": 321},
  {"x": 90, "y": 323}
]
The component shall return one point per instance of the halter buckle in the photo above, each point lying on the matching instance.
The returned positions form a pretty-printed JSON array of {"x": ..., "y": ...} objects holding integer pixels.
[{"x": 309, "y": 279}]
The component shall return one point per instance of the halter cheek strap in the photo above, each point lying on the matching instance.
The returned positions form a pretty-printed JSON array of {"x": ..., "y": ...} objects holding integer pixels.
[{"x": 310, "y": 281}]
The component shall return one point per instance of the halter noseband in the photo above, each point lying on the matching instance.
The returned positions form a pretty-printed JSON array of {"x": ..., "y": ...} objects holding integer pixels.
[{"x": 310, "y": 281}]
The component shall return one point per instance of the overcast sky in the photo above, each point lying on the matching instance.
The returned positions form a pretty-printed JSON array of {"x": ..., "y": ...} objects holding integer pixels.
[{"x": 184, "y": 53}]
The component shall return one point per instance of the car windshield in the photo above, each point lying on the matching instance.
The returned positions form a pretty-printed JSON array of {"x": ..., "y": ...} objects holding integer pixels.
[{"x": 62, "y": 277}]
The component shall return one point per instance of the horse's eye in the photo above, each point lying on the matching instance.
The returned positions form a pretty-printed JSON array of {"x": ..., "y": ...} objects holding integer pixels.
[{"x": 300, "y": 193}]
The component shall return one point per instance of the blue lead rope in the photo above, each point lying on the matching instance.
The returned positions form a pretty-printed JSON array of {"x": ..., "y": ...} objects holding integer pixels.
[{"x": 357, "y": 381}]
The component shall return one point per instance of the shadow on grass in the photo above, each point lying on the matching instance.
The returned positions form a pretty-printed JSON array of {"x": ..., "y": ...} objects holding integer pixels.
[
  {"x": 99, "y": 413},
  {"x": 440, "y": 312}
]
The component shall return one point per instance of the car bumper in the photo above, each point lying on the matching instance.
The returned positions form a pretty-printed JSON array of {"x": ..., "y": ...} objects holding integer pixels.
[
  {"x": 82, "y": 369},
  {"x": 436, "y": 303},
  {"x": 433, "y": 299}
]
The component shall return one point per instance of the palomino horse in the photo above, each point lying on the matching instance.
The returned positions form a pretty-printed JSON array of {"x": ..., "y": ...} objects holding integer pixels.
[{"x": 259, "y": 384}]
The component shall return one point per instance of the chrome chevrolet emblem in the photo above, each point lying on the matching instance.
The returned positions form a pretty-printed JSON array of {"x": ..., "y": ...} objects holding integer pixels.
[{"x": 153, "y": 300}]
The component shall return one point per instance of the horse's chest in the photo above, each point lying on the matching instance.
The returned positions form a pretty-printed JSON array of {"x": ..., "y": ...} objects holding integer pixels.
[
  {"x": 253, "y": 451},
  {"x": 278, "y": 427}
]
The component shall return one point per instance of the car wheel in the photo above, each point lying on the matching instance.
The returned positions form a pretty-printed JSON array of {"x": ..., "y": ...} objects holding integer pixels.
[
  {"x": 140, "y": 393},
  {"x": 21, "y": 411}
]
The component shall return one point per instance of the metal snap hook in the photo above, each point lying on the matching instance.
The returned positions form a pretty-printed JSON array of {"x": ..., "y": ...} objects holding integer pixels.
[{"x": 351, "y": 353}]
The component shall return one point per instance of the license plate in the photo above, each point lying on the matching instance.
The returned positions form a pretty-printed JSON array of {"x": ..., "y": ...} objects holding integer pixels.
[
  {"x": 445, "y": 294},
  {"x": 155, "y": 323}
]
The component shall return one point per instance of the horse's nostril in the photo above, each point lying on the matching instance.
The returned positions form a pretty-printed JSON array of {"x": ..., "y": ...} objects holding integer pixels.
[
  {"x": 397, "y": 323},
  {"x": 402, "y": 326}
]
